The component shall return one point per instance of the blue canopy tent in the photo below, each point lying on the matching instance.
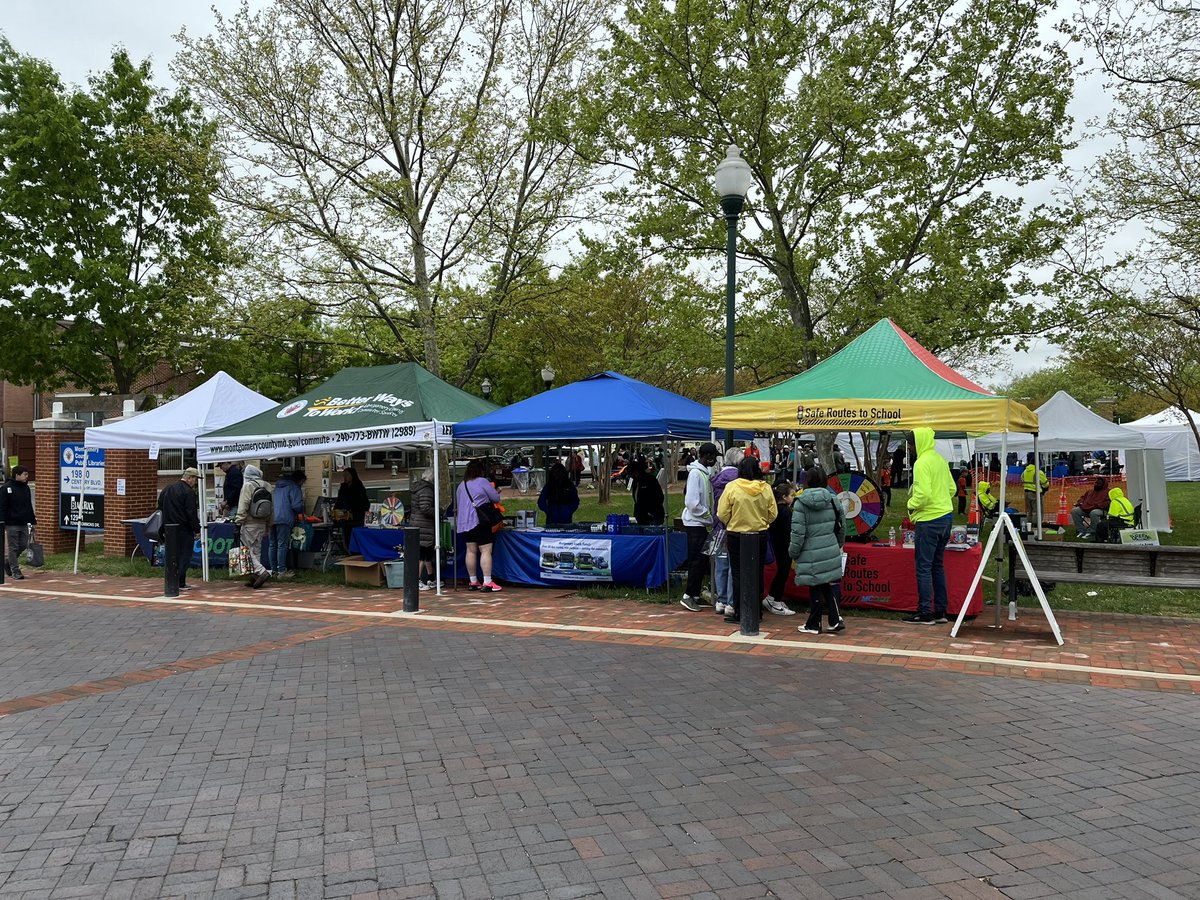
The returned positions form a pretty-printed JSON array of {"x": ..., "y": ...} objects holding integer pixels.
[{"x": 606, "y": 407}]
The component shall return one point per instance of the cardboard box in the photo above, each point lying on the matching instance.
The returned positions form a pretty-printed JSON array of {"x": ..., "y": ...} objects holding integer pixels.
[{"x": 359, "y": 571}]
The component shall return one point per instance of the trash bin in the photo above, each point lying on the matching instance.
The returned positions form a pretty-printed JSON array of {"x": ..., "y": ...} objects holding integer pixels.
[{"x": 520, "y": 479}]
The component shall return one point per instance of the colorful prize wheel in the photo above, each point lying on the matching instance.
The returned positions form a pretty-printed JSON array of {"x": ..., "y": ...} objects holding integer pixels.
[
  {"x": 861, "y": 501},
  {"x": 391, "y": 512}
]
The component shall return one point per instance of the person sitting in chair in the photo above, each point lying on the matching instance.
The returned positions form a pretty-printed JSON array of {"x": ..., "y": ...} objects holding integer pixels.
[
  {"x": 1091, "y": 508},
  {"x": 1120, "y": 512},
  {"x": 988, "y": 505}
]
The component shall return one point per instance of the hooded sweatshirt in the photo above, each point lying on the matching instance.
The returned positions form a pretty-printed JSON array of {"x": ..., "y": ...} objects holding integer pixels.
[
  {"x": 720, "y": 481},
  {"x": 933, "y": 488},
  {"x": 986, "y": 501},
  {"x": 252, "y": 482},
  {"x": 747, "y": 506},
  {"x": 698, "y": 496},
  {"x": 1119, "y": 506}
]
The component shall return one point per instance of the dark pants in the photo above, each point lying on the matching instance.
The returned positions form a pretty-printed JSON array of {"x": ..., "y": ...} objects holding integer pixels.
[
  {"x": 932, "y": 596},
  {"x": 697, "y": 562},
  {"x": 184, "y": 541},
  {"x": 962, "y": 506},
  {"x": 822, "y": 599},
  {"x": 753, "y": 593},
  {"x": 886, "y": 492},
  {"x": 783, "y": 566}
]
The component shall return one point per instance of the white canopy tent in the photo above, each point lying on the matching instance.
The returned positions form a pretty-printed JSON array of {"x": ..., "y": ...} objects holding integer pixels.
[
  {"x": 218, "y": 402},
  {"x": 1168, "y": 431}
]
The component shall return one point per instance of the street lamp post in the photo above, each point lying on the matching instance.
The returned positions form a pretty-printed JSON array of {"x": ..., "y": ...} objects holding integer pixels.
[{"x": 733, "y": 179}]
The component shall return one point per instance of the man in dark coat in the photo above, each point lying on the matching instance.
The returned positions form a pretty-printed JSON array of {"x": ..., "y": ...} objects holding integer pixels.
[
  {"x": 181, "y": 507},
  {"x": 231, "y": 491},
  {"x": 16, "y": 511}
]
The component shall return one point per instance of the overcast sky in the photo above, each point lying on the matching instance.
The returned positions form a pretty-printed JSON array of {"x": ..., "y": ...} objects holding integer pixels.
[{"x": 78, "y": 36}]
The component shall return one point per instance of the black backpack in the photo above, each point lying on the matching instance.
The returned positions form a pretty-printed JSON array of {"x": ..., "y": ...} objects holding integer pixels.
[{"x": 261, "y": 506}]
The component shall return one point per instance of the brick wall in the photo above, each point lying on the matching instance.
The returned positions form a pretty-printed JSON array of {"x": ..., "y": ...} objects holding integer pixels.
[
  {"x": 141, "y": 496},
  {"x": 47, "y": 438}
]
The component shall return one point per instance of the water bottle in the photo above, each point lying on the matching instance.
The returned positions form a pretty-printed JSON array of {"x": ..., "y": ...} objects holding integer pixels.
[{"x": 892, "y": 537}]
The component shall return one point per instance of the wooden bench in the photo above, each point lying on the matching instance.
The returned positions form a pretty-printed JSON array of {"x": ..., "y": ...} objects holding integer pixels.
[{"x": 1122, "y": 564}]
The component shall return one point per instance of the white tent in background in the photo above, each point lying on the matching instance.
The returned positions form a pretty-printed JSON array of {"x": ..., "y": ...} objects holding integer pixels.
[
  {"x": 1066, "y": 424},
  {"x": 1168, "y": 431},
  {"x": 220, "y": 401}
]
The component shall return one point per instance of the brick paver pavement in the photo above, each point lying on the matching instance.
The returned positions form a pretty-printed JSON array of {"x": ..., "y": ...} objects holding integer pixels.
[{"x": 312, "y": 744}]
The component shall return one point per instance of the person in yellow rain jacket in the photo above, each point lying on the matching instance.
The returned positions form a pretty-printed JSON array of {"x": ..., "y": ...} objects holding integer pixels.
[
  {"x": 931, "y": 508},
  {"x": 1120, "y": 511},
  {"x": 1031, "y": 479},
  {"x": 747, "y": 506},
  {"x": 987, "y": 503}
]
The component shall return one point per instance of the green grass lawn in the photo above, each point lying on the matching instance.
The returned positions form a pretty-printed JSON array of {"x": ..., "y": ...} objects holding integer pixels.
[{"x": 1183, "y": 500}]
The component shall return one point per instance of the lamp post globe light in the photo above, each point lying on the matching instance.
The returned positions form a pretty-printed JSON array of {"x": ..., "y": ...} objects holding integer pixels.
[
  {"x": 733, "y": 179},
  {"x": 547, "y": 375},
  {"x": 486, "y": 387}
]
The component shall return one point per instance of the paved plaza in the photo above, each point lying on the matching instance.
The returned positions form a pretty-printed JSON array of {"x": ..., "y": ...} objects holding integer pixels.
[{"x": 301, "y": 742}]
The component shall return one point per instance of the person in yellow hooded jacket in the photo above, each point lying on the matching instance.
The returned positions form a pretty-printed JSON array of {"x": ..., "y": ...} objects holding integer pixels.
[
  {"x": 1034, "y": 481},
  {"x": 747, "y": 506},
  {"x": 931, "y": 508},
  {"x": 1120, "y": 512},
  {"x": 987, "y": 503}
]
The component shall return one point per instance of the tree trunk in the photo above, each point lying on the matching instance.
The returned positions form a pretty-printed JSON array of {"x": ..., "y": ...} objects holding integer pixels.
[{"x": 603, "y": 481}]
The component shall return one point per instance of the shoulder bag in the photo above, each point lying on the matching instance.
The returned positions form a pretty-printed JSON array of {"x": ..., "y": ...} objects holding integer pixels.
[{"x": 486, "y": 511}]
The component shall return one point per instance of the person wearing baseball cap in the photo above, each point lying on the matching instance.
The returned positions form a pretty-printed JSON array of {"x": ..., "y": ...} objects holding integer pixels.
[
  {"x": 697, "y": 520},
  {"x": 181, "y": 507}
]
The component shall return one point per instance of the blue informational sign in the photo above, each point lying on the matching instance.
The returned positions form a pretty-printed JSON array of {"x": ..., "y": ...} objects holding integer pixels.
[{"x": 74, "y": 475}]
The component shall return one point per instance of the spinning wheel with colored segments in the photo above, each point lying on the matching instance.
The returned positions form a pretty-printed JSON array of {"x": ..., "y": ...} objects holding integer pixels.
[
  {"x": 861, "y": 501},
  {"x": 391, "y": 512}
]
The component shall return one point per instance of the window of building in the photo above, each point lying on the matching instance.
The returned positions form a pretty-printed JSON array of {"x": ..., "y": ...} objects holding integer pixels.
[{"x": 173, "y": 462}]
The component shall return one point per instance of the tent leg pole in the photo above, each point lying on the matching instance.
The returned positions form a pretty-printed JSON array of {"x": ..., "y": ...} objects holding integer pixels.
[{"x": 79, "y": 512}]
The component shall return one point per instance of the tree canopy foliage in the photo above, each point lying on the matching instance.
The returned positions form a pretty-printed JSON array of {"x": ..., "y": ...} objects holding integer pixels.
[{"x": 110, "y": 238}]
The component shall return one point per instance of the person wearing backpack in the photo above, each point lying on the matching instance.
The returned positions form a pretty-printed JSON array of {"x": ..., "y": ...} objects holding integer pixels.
[{"x": 255, "y": 511}]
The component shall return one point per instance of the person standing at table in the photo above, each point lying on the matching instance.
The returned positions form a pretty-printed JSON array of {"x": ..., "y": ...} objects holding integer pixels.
[
  {"x": 253, "y": 521},
  {"x": 289, "y": 506},
  {"x": 576, "y": 467},
  {"x": 181, "y": 507},
  {"x": 931, "y": 508},
  {"x": 421, "y": 515},
  {"x": 647, "y": 495},
  {"x": 747, "y": 507},
  {"x": 780, "y": 535},
  {"x": 231, "y": 487},
  {"x": 352, "y": 499},
  {"x": 817, "y": 534},
  {"x": 559, "y": 498},
  {"x": 697, "y": 520},
  {"x": 474, "y": 490}
]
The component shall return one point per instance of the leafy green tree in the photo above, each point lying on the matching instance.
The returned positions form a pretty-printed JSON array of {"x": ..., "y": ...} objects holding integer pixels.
[
  {"x": 109, "y": 237},
  {"x": 391, "y": 156},
  {"x": 889, "y": 144}
]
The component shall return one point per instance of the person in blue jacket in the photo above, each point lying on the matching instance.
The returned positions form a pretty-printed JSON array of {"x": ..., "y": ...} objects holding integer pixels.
[
  {"x": 289, "y": 505},
  {"x": 559, "y": 498}
]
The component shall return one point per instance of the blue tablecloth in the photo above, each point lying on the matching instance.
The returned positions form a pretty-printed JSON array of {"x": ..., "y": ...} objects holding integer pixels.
[{"x": 524, "y": 557}]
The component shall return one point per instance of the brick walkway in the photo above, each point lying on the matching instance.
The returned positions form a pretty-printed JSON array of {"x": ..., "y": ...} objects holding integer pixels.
[{"x": 301, "y": 742}]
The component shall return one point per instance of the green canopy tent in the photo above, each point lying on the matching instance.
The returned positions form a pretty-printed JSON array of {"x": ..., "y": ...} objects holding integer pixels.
[
  {"x": 360, "y": 408},
  {"x": 884, "y": 380}
]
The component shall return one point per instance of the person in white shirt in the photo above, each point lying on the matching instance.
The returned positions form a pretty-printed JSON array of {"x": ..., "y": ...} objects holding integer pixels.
[{"x": 697, "y": 520}]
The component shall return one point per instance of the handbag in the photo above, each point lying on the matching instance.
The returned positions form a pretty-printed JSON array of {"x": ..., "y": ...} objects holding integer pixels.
[
  {"x": 154, "y": 526},
  {"x": 35, "y": 555},
  {"x": 488, "y": 515},
  {"x": 239, "y": 561}
]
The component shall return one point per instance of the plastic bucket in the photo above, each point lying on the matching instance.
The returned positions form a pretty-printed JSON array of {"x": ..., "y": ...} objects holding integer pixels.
[{"x": 394, "y": 572}]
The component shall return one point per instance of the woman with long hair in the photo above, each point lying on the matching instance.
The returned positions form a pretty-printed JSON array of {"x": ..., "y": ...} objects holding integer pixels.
[
  {"x": 559, "y": 498},
  {"x": 476, "y": 490},
  {"x": 352, "y": 498},
  {"x": 818, "y": 532},
  {"x": 647, "y": 494},
  {"x": 747, "y": 507}
]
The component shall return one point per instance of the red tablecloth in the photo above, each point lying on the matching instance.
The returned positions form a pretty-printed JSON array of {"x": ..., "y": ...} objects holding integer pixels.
[{"x": 886, "y": 578}]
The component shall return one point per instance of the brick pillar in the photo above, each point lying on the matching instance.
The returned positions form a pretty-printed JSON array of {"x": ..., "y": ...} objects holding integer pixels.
[
  {"x": 141, "y": 496},
  {"x": 47, "y": 435}
]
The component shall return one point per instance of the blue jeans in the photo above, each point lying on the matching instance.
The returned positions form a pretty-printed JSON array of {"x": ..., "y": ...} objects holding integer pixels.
[
  {"x": 724, "y": 576},
  {"x": 281, "y": 539},
  {"x": 932, "y": 596}
]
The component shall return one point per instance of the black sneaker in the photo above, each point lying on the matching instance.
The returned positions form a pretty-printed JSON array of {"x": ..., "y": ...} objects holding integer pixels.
[
  {"x": 940, "y": 619},
  {"x": 734, "y": 620},
  {"x": 840, "y": 626},
  {"x": 918, "y": 619}
]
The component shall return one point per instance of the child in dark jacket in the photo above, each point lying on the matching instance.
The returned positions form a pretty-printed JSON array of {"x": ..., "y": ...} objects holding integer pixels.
[{"x": 780, "y": 534}]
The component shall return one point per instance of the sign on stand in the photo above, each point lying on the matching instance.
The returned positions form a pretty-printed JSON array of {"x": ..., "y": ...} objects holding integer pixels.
[{"x": 73, "y": 476}]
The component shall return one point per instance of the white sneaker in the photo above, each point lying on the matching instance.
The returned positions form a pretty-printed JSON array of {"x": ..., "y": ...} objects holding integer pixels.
[
  {"x": 424, "y": 585},
  {"x": 721, "y": 607},
  {"x": 782, "y": 609}
]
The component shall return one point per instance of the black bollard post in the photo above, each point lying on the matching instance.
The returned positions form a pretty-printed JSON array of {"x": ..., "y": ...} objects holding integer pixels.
[
  {"x": 171, "y": 561},
  {"x": 412, "y": 565},
  {"x": 750, "y": 585}
]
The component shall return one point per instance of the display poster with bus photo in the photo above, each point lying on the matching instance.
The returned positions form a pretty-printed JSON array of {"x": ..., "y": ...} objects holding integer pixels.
[{"x": 576, "y": 559}]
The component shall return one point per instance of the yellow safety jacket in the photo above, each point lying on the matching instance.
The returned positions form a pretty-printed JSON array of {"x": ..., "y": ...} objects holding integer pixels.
[{"x": 1029, "y": 478}]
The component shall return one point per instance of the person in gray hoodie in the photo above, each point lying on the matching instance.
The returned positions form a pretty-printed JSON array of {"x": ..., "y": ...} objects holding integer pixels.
[
  {"x": 253, "y": 528},
  {"x": 698, "y": 510},
  {"x": 818, "y": 532},
  {"x": 722, "y": 578}
]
